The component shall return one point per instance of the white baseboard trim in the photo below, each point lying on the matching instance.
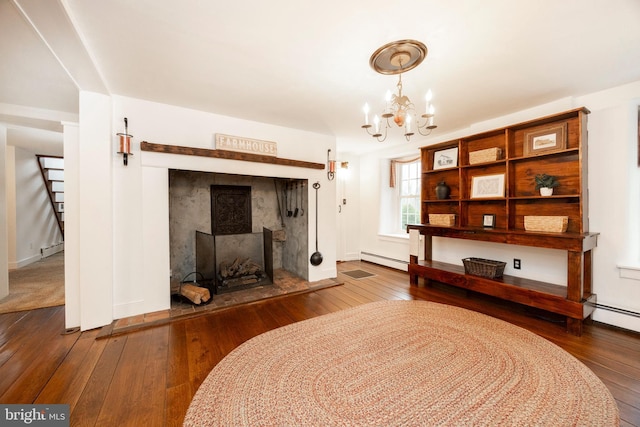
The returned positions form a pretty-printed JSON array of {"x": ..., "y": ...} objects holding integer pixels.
[
  {"x": 398, "y": 264},
  {"x": 133, "y": 308},
  {"x": 14, "y": 265},
  {"x": 352, "y": 256}
]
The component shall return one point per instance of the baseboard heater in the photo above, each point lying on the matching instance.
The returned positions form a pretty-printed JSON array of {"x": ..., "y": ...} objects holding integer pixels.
[
  {"x": 616, "y": 310},
  {"x": 384, "y": 257},
  {"x": 50, "y": 250}
]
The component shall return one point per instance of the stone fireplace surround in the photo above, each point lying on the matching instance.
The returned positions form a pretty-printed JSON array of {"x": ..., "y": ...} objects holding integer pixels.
[{"x": 190, "y": 212}]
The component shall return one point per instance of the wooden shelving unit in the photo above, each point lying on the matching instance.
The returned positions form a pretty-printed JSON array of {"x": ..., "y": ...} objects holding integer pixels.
[{"x": 520, "y": 160}]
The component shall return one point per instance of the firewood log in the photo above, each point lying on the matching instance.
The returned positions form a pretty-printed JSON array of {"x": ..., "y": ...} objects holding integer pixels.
[
  {"x": 224, "y": 269},
  {"x": 195, "y": 294}
]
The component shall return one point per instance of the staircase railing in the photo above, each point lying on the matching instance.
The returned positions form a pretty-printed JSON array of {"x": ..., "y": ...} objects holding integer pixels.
[{"x": 49, "y": 186}]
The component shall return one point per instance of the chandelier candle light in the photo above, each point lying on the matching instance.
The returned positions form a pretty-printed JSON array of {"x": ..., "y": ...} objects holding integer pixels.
[{"x": 397, "y": 58}]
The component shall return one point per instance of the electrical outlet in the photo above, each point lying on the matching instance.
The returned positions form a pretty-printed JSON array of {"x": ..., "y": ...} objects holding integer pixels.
[{"x": 516, "y": 263}]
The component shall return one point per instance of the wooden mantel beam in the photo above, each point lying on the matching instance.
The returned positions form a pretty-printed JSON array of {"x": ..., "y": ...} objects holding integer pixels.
[{"x": 224, "y": 154}]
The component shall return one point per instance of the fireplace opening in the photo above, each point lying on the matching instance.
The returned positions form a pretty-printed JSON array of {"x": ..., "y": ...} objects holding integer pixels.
[{"x": 220, "y": 222}]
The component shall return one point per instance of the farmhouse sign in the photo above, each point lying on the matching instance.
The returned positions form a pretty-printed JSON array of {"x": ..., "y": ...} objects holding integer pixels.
[{"x": 245, "y": 145}]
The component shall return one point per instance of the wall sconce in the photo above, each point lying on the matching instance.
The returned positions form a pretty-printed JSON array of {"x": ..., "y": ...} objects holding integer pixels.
[
  {"x": 331, "y": 167},
  {"x": 343, "y": 171},
  {"x": 125, "y": 143}
]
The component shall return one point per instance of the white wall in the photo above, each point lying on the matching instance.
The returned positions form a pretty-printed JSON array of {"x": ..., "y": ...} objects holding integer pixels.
[
  {"x": 348, "y": 190},
  {"x": 614, "y": 201},
  {"x": 94, "y": 216},
  {"x": 71, "y": 142},
  {"x": 10, "y": 200},
  {"x": 614, "y": 205},
  {"x": 4, "y": 246},
  {"x": 123, "y": 211}
]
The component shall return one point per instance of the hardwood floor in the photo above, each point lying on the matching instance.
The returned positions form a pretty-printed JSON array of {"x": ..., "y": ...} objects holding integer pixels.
[{"x": 148, "y": 377}]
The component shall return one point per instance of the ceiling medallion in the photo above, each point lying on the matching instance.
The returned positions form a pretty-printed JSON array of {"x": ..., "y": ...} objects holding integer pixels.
[{"x": 396, "y": 58}]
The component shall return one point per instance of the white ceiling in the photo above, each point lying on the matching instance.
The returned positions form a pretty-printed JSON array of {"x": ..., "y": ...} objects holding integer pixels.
[{"x": 306, "y": 64}]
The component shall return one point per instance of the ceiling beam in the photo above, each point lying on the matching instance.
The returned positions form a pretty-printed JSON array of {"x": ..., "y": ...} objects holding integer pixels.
[{"x": 53, "y": 25}]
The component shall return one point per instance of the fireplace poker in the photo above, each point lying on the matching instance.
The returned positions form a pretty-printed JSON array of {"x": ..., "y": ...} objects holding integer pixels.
[
  {"x": 288, "y": 198},
  {"x": 295, "y": 212},
  {"x": 275, "y": 185}
]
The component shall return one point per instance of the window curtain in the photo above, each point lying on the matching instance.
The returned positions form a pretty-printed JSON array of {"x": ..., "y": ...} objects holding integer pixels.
[{"x": 392, "y": 172}]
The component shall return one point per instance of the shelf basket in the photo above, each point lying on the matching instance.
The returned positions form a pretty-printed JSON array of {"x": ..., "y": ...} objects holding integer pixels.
[
  {"x": 483, "y": 156},
  {"x": 442, "y": 220},
  {"x": 553, "y": 224},
  {"x": 484, "y": 267}
]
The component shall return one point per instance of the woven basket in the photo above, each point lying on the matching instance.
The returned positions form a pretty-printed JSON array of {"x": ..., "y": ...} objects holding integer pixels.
[
  {"x": 483, "y": 156},
  {"x": 552, "y": 224},
  {"x": 443, "y": 220},
  {"x": 484, "y": 267}
]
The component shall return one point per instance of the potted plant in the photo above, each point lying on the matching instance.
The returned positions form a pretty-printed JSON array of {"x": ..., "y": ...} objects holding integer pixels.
[{"x": 546, "y": 183}]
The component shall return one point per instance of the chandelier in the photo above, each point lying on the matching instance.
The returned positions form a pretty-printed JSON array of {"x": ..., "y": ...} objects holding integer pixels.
[{"x": 397, "y": 58}]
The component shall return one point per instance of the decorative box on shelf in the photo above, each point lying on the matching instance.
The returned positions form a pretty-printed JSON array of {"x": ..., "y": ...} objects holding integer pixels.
[
  {"x": 552, "y": 224},
  {"x": 484, "y": 267},
  {"x": 443, "y": 220},
  {"x": 486, "y": 155}
]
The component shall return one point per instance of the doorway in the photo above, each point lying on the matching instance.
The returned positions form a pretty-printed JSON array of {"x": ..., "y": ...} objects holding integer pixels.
[{"x": 35, "y": 256}]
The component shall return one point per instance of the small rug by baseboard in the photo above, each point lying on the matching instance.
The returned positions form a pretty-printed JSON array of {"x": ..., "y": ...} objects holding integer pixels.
[
  {"x": 400, "y": 363},
  {"x": 358, "y": 274}
]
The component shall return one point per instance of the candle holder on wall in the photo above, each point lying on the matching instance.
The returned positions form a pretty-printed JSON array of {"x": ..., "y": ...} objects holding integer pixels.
[
  {"x": 331, "y": 166},
  {"x": 125, "y": 143}
]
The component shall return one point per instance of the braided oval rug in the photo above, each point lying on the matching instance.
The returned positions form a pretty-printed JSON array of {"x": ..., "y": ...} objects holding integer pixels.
[{"x": 401, "y": 363}]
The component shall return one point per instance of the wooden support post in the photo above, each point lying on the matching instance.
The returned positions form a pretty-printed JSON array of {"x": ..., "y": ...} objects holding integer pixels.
[
  {"x": 413, "y": 278},
  {"x": 575, "y": 269},
  {"x": 574, "y": 275}
]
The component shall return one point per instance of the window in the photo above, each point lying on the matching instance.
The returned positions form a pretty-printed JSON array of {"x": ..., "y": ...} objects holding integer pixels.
[
  {"x": 409, "y": 193},
  {"x": 400, "y": 200}
]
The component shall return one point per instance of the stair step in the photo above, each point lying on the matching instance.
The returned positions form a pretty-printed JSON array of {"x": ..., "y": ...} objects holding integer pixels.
[
  {"x": 52, "y": 172},
  {"x": 52, "y": 163},
  {"x": 55, "y": 174}
]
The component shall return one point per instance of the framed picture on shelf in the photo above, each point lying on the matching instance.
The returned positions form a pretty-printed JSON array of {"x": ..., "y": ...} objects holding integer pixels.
[
  {"x": 488, "y": 220},
  {"x": 487, "y": 186},
  {"x": 545, "y": 139},
  {"x": 445, "y": 158}
]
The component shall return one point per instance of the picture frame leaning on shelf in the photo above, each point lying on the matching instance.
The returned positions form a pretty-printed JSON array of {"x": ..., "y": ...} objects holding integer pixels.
[{"x": 545, "y": 139}]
